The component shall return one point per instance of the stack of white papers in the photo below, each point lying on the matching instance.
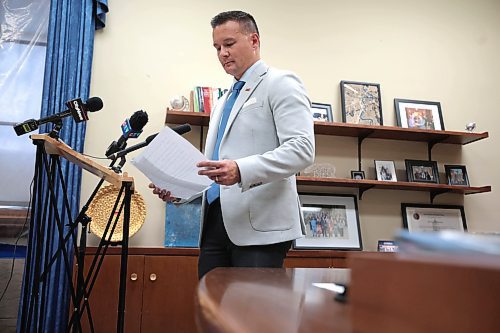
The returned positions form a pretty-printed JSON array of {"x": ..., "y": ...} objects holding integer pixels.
[{"x": 169, "y": 162}]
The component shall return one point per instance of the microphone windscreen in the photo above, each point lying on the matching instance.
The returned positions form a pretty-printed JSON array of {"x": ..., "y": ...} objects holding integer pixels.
[
  {"x": 94, "y": 104},
  {"x": 138, "y": 120},
  {"x": 181, "y": 129}
]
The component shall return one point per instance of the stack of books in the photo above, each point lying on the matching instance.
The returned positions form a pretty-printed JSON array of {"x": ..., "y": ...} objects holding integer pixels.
[{"x": 203, "y": 99}]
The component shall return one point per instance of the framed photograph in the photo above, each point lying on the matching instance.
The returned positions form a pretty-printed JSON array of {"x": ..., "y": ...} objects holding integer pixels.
[
  {"x": 357, "y": 174},
  {"x": 332, "y": 222},
  {"x": 361, "y": 103},
  {"x": 322, "y": 112},
  {"x": 424, "y": 217},
  {"x": 456, "y": 175},
  {"x": 418, "y": 114},
  {"x": 422, "y": 171},
  {"x": 387, "y": 246},
  {"x": 385, "y": 171}
]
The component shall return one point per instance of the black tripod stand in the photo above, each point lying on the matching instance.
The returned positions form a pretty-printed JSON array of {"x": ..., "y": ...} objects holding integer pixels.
[{"x": 43, "y": 258}]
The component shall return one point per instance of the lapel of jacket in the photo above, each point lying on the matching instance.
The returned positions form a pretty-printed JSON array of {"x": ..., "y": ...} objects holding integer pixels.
[
  {"x": 257, "y": 75},
  {"x": 215, "y": 117}
]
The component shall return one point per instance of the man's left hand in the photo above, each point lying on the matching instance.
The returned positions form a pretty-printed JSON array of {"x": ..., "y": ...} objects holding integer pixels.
[{"x": 225, "y": 172}]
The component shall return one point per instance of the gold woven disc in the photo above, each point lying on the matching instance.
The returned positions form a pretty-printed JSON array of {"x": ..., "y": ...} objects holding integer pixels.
[{"x": 101, "y": 207}]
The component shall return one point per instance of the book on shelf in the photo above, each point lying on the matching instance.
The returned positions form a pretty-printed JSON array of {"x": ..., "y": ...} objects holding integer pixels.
[{"x": 205, "y": 98}]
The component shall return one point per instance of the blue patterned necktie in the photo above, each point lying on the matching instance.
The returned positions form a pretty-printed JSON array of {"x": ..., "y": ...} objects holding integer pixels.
[{"x": 214, "y": 190}]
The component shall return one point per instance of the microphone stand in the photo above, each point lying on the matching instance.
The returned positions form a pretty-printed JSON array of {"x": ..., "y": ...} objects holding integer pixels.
[
  {"x": 121, "y": 154},
  {"x": 82, "y": 284}
]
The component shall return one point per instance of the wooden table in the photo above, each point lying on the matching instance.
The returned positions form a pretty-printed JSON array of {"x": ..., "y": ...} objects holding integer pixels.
[{"x": 266, "y": 300}]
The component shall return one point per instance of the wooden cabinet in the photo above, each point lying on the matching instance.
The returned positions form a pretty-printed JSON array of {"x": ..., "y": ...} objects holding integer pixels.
[
  {"x": 160, "y": 291},
  {"x": 168, "y": 295},
  {"x": 103, "y": 298},
  {"x": 161, "y": 287},
  {"x": 316, "y": 259}
]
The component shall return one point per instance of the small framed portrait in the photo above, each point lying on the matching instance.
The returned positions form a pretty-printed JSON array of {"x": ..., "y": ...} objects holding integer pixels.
[
  {"x": 385, "y": 171},
  {"x": 355, "y": 174},
  {"x": 425, "y": 217},
  {"x": 332, "y": 222},
  {"x": 422, "y": 171},
  {"x": 456, "y": 175},
  {"x": 361, "y": 103},
  {"x": 322, "y": 112},
  {"x": 387, "y": 246},
  {"x": 418, "y": 114}
]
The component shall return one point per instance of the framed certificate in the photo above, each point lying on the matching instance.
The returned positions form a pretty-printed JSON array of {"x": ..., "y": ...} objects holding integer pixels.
[{"x": 424, "y": 217}]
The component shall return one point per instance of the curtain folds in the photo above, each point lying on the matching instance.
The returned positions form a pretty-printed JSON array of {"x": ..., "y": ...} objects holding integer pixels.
[
  {"x": 67, "y": 76},
  {"x": 102, "y": 9}
]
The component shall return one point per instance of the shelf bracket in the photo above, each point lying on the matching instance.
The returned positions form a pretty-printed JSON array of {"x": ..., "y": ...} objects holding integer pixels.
[
  {"x": 201, "y": 137},
  {"x": 434, "y": 194},
  {"x": 363, "y": 190},
  {"x": 360, "y": 141},
  {"x": 432, "y": 143}
]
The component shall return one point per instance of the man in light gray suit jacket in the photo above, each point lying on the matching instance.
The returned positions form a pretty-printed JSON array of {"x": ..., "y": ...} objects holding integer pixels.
[{"x": 255, "y": 147}]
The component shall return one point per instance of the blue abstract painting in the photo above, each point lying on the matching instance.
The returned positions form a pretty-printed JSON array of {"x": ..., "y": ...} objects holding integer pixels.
[{"x": 182, "y": 224}]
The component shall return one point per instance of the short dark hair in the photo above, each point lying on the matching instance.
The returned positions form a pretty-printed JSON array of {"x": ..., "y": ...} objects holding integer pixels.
[{"x": 244, "y": 19}]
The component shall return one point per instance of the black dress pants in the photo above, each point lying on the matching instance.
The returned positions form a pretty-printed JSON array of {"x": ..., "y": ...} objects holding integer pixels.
[{"x": 217, "y": 250}]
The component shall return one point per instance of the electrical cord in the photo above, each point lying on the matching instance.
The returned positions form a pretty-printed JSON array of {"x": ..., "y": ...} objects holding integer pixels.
[
  {"x": 97, "y": 158},
  {"x": 15, "y": 245}
]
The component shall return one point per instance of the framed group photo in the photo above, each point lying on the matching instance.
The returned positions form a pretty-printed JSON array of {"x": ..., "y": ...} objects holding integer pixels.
[
  {"x": 422, "y": 171},
  {"x": 361, "y": 103},
  {"x": 425, "y": 217},
  {"x": 322, "y": 112},
  {"x": 385, "y": 171},
  {"x": 418, "y": 114},
  {"x": 332, "y": 222}
]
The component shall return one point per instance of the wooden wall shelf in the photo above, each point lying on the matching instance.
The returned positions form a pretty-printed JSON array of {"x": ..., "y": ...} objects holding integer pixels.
[
  {"x": 431, "y": 137},
  {"x": 183, "y": 117},
  {"x": 354, "y": 130},
  {"x": 397, "y": 133},
  {"x": 366, "y": 184}
]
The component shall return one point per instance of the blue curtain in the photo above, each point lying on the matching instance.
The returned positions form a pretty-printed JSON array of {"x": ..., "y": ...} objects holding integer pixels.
[{"x": 67, "y": 76}]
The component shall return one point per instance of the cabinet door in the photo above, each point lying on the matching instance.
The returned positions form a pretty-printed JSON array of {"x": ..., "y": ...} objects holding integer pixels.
[
  {"x": 308, "y": 262},
  {"x": 104, "y": 296},
  {"x": 169, "y": 293}
]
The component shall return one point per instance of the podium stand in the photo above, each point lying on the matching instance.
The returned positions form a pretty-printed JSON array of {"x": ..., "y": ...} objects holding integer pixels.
[{"x": 43, "y": 253}]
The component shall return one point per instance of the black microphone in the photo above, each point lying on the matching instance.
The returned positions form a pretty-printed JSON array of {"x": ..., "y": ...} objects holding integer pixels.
[
  {"x": 181, "y": 129},
  {"x": 76, "y": 108},
  {"x": 131, "y": 128}
]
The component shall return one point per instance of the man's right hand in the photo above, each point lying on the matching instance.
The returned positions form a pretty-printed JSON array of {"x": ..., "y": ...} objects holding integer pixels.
[{"x": 162, "y": 194}]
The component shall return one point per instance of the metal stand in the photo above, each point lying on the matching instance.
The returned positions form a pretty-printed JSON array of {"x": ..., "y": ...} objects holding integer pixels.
[{"x": 41, "y": 256}]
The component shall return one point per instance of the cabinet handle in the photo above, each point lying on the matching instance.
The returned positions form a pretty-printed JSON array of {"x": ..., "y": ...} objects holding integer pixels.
[
  {"x": 133, "y": 276},
  {"x": 152, "y": 277}
]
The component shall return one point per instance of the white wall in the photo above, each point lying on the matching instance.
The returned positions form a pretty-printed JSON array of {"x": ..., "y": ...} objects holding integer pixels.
[{"x": 435, "y": 50}]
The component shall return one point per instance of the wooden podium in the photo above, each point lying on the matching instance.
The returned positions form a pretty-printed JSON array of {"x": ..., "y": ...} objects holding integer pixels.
[
  {"x": 49, "y": 187},
  {"x": 56, "y": 147}
]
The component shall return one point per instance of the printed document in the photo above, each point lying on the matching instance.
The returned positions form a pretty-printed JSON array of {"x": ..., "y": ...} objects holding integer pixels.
[{"x": 169, "y": 161}]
